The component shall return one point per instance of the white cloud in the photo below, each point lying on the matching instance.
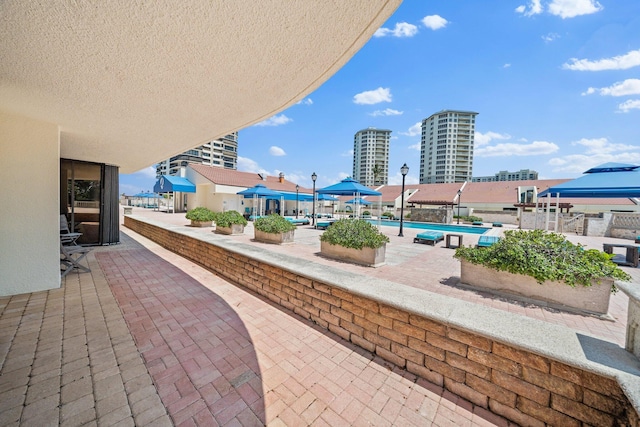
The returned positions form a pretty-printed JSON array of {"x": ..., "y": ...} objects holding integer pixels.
[
  {"x": 373, "y": 96},
  {"x": 624, "y": 88},
  {"x": 416, "y": 147},
  {"x": 572, "y": 8},
  {"x": 149, "y": 172},
  {"x": 246, "y": 164},
  {"x": 481, "y": 139},
  {"x": 275, "y": 121},
  {"x": 631, "y": 104},
  {"x": 386, "y": 112},
  {"x": 506, "y": 66},
  {"x": 402, "y": 29},
  {"x": 414, "y": 130},
  {"x": 534, "y": 8},
  {"x": 510, "y": 149},
  {"x": 548, "y": 38},
  {"x": 348, "y": 153},
  {"x": 276, "y": 151},
  {"x": 397, "y": 180},
  {"x": 603, "y": 146},
  {"x": 434, "y": 22},
  {"x": 598, "y": 151},
  {"x": 621, "y": 62},
  {"x": 306, "y": 101}
]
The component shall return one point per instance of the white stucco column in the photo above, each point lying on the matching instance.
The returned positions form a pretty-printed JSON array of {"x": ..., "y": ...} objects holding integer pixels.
[{"x": 29, "y": 205}]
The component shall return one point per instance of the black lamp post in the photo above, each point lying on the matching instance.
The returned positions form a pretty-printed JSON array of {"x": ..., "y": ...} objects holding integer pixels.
[
  {"x": 459, "y": 195},
  {"x": 313, "y": 219},
  {"x": 404, "y": 170},
  {"x": 297, "y": 188}
]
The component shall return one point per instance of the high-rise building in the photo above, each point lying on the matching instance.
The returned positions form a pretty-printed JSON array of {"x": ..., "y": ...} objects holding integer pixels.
[
  {"x": 446, "y": 153},
  {"x": 521, "y": 175},
  {"x": 221, "y": 152},
  {"x": 371, "y": 156}
]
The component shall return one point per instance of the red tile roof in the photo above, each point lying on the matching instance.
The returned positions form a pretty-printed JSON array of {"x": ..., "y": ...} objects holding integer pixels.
[{"x": 236, "y": 178}]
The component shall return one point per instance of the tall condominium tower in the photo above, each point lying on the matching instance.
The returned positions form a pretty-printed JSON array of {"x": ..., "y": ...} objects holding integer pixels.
[
  {"x": 221, "y": 152},
  {"x": 371, "y": 156},
  {"x": 446, "y": 153}
]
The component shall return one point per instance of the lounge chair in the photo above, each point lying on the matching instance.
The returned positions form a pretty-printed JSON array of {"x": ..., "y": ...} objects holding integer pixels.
[
  {"x": 322, "y": 225},
  {"x": 477, "y": 223},
  {"x": 299, "y": 221},
  {"x": 429, "y": 237},
  {"x": 637, "y": 239},
  {"x": 486, "y": 241},
  {"x": 497, "y": 224}
]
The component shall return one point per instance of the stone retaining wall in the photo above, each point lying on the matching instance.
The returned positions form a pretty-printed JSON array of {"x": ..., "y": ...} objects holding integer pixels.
[{"x": 518, "y": 384}]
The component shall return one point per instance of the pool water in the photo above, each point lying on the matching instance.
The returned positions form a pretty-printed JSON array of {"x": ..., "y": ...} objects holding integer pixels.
[{"x": 451, "y": 228}]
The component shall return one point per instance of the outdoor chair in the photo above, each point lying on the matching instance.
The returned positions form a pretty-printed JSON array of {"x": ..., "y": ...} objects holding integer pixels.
[
  {"x": 66, "y": 236},
  {"x": 70, "y": 257},
  {"x": 429, "y": 237},
  {"x": 486, "y": 241}
]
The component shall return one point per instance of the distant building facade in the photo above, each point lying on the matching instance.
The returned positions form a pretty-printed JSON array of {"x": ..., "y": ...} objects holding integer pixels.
[
  {"x": 446, "y": 152},
  {"x": 371, "y": 154},
  {"x": 521, "y": 175},
  {"x": 221, "y": 152}
]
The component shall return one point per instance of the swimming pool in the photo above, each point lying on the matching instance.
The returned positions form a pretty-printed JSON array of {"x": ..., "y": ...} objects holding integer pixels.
[{"x": 452, "y": 228}]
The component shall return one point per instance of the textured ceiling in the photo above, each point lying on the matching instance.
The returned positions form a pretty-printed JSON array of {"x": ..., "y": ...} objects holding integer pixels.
[{"x": 131, "y": 83}]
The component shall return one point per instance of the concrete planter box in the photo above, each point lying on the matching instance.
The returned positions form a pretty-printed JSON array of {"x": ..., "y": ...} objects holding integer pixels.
[
  {"x": 277, "y": 238},
  {"x": 365, "y": 256},
  {"x": 234, "y": 230},
  {"x": 201, "y": 223},
  {"x": 593, "y": 300}
]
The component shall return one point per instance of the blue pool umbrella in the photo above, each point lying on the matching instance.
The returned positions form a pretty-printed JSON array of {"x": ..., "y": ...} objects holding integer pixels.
[
  {"x": 610, "y": 180},
  {"x": 348, "y": 187},
  {"x": 260, "y": 192},
  {"x": 359, "y": 201}
]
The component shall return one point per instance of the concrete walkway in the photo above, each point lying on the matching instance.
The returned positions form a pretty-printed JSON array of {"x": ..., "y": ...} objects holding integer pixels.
[{"x": 148, "y": 338}]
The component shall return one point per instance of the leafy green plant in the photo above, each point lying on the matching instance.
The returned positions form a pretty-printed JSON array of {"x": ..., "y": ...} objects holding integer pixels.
[
  {"x": 388, "y": 215},
  {"x": 228, "y": 218},
  {"x": 469, "y": 218},
  {"x": 366, "y": 213},
  {"x": 273, "y": 224},
  {"x": 355, "y": 234},
  {"x": 544, "y": 256},
  {"x": 200, "y": 214}
]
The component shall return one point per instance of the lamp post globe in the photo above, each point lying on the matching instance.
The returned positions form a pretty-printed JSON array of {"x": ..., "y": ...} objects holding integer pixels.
[
  {"x": 404, "y": 170},
  {"x": 313, "y": 219}
]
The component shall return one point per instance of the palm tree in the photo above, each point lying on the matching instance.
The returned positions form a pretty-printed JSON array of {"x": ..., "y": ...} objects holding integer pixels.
[{"x": 377, "y": 171}]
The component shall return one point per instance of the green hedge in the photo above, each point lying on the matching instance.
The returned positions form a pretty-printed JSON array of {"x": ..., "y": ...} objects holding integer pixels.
[
  {"x": 355, "y": 234},
  {"x": 200, "y": 214},
  {"x": 228, "y": 218},
  {"x": 544, "y": 256},
  {"x": 273, "y": 224}
]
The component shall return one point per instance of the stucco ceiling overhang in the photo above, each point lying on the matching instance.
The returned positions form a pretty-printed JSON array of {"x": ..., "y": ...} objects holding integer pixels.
[{"x": 131, "y": 83}]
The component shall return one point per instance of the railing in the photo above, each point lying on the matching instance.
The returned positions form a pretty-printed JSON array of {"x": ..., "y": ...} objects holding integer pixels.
[
  {"x": 626, "y": 220},
  {"x": 573, "y": 224},
  {"x": 87, "y": 204}
]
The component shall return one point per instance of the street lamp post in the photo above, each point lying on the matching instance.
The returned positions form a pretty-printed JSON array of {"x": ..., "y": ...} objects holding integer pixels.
[
  {"x": 297, "y": 188},
  {"x": 404, "y": 170},
  {"x": 313, "y": 219},
  {"x": 459, "y": 195}
]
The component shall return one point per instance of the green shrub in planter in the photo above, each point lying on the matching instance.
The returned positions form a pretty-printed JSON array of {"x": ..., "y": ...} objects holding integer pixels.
[
  {"x": 388, "y": 215},
  {"x": 273, "y": 224},
  {"x": 355, "y": 234},
  {"x": 366, "y": 213},
  {"x": 228, "y": 218},
  {"x": 544, "y": 256},
  {"x": 200, "y": 214}
]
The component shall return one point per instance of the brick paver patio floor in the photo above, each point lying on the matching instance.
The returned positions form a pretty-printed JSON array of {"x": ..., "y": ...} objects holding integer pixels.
[{"x": 148, "y": 338}]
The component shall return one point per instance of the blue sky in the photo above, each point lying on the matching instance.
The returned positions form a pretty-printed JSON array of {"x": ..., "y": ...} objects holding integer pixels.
[{"x": 556, "y": 84}]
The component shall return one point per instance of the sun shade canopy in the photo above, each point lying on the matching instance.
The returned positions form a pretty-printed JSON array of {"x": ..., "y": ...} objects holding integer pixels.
[
  {"x": 348, "y": 187},
  {"x": 172, "y": 184},
  {"x": 610, "y": 180},
  {"x": 259, "y": 191}
]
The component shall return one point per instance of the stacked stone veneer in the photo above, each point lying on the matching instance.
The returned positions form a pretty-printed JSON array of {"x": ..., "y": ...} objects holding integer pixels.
[{"x": 524, "y": 387}]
